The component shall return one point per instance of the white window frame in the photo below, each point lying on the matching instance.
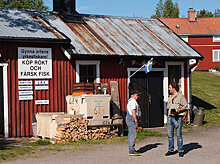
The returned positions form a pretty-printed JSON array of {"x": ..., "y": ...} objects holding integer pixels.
[
  {"x": 216, "y": 38},
  {"x": 5, "y": 95},
  {"x": 185, "y": 38},
  {"x": 181, "y": 74},
  {"x": 213, "y": 51},
  {"x": 88, "y": 62}
]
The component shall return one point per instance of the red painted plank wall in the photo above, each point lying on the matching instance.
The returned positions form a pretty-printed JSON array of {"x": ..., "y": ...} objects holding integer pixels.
[
  {"x": 204, "y": 45},
  {"x": 20, "y": 112}
]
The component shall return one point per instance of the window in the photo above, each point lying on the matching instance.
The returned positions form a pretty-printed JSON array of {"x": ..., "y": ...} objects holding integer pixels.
[
  {"x": 185, "y": 38},
  {"x": 216, "y": 55},
  {"x": 88, "y": 71},
  {"x": 216, "y": 38}
]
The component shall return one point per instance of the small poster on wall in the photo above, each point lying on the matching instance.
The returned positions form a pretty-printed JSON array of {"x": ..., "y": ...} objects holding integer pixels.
[{"x": 34, "y": 63}]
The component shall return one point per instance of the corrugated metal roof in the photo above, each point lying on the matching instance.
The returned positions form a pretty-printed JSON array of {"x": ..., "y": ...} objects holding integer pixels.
[
  {"x": 202, "y": 26},
  {"x": 98, "y": 35},
  {"x": 105, "y": 35},
  {"x": 15, "y": 23}
]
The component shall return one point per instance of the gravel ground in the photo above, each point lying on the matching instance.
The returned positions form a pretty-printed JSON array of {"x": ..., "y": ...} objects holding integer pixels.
[{"x": 200, "y": 147}]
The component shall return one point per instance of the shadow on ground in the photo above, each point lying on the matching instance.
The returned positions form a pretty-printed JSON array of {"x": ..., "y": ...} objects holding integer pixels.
[
  {"x": 191, "y": 146},
  {"x": 148, "y": 147},
  {"x": 4, "y": 143},
  {"x": 201, "y": 103}
]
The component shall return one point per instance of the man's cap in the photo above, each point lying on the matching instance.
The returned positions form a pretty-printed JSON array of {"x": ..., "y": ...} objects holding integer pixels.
[{"x": 135, "y": 92}]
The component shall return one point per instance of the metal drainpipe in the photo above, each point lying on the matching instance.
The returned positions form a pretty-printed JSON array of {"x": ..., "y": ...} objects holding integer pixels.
[
  {"x": 191, "y": 67},
  {"x": 190, "y": 85}
]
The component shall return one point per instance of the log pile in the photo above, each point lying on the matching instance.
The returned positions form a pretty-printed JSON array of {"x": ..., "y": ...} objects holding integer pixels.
[{"x": 77, "y": 128}]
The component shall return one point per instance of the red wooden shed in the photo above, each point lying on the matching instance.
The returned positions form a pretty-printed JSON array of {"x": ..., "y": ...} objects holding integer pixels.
[{"x": 42, "y": 56}]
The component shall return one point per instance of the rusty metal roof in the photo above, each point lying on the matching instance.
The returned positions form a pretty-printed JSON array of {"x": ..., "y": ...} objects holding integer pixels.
[
  {"x": 202, "y": 26},
  {"x": 106, "y": 35},
  {"x": 98, "y": 35}
]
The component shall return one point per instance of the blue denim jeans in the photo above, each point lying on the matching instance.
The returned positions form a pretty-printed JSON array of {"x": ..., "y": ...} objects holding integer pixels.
[
  {"x": 171, "y": 125},
  {"x": 132, "y": 134}
]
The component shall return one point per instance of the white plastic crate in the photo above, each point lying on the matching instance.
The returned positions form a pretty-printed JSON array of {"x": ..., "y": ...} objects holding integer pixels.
[{"x": 94, "y": 107}]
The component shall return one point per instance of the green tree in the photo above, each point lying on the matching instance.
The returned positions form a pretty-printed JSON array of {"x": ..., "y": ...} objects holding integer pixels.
[
  {"x": 24, "y": 4},
  {"x": 217, "y": 13},
  {"x": 159, "y": 10},
  {"x": 166, "y": 10},
  {"x": 204, "y": 13}
]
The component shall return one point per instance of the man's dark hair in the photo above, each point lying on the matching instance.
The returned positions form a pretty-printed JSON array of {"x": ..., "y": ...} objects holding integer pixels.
[{"x": 175, "y": 85}]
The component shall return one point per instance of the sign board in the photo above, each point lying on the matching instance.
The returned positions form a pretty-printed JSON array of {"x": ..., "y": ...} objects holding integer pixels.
[
  {"x": 25, "y": 92},
  {"x": 42, "y": 87},
  {"x": 25, "y": 87},
  {"x": 34, "y": 63},
  {"x": 41, "y": 82},
  {"x": 41, "y": 102},
  {"x": 24, "y": 82},
  {"x": 25, "y": 97}
]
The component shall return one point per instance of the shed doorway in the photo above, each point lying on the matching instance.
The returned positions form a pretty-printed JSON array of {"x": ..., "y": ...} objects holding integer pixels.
[
  {"x": 151, "y": 100},
  {"x": 1, "y": 103}
]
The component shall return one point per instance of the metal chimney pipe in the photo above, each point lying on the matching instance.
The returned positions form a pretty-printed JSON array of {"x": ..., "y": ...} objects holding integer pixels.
[{"x": 66, "y": 7}]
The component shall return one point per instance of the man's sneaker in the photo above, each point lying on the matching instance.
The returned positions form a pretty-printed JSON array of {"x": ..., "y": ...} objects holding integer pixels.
[
  {"x": 169, "y": 153},
  {"x": 181, "y": 154},
  {"x": 134, "y": 154}
]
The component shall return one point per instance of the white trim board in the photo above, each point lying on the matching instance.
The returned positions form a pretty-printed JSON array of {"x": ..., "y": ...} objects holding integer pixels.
[
  {"x": 88, "y": 62},
  {"x": 182, "y": 73},
  {"x": 5, "y": 95}
]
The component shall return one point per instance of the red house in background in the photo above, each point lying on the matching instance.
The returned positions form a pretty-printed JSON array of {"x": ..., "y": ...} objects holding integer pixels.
[{"x": 203, "y": 34}]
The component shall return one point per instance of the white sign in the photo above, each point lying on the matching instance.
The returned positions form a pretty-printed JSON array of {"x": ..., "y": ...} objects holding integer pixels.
[
  {"x": 25, "y": 87},
  {"x": 34, "y": 63},
  {"x": 40, "y": 102},
  {"x": 44, "y": 87},
  {"x": 25, "y": 97},
  {"x": 41, "y": 82},
  {"x": 24, "y": 82},
  {"x": 25, "y": 92}
]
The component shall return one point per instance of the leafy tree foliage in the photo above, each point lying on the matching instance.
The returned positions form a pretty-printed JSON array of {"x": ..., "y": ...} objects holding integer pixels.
[
  {"x": 166, "y": 10},
  {"x": 204, "y": 13},
  {"x": 217, "y": 13},
  {"x": 24, "y": 4}
]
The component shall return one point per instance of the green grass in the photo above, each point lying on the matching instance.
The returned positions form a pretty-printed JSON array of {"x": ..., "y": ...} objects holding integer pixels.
[
  {"x": 12, "y": 152},
  {"x": 143, "y": 133},
  {"x": 206, "y": 87}
]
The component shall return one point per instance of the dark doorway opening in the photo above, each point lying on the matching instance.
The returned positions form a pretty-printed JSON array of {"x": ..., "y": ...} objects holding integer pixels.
[
  {"x": 1, "y": 103},
  {"x": 151, "y": 100}
]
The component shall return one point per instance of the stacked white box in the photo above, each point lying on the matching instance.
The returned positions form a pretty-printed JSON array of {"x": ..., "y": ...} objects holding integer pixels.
[{"x": 95, "y": 107}]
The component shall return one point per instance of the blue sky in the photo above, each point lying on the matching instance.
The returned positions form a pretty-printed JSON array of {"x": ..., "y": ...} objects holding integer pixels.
[{"x": 136, "y": 8}]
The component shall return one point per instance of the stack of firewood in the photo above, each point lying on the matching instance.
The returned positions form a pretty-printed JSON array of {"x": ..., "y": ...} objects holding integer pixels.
[{"x": 77, "y": 128}]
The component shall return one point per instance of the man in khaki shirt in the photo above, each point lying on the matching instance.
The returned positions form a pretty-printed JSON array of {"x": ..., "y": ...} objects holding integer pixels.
[{"x": 177, "y": 106}]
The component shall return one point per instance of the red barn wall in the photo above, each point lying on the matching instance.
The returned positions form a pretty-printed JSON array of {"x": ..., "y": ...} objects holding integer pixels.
[
  {"x": 61, "y": 84},
  {"x": 20, "y": 112}
]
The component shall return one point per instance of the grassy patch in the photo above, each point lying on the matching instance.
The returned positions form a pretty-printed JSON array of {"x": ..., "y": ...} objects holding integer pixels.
[
  {"x": 143, "y": 133},
  {"x": 190, "y": 130},
  {"x": 206, "y": 92},
  {"x": 12, "y": 152},
  {"x": 42, "y": 142},
  {"x": 186, "y": 126}
]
